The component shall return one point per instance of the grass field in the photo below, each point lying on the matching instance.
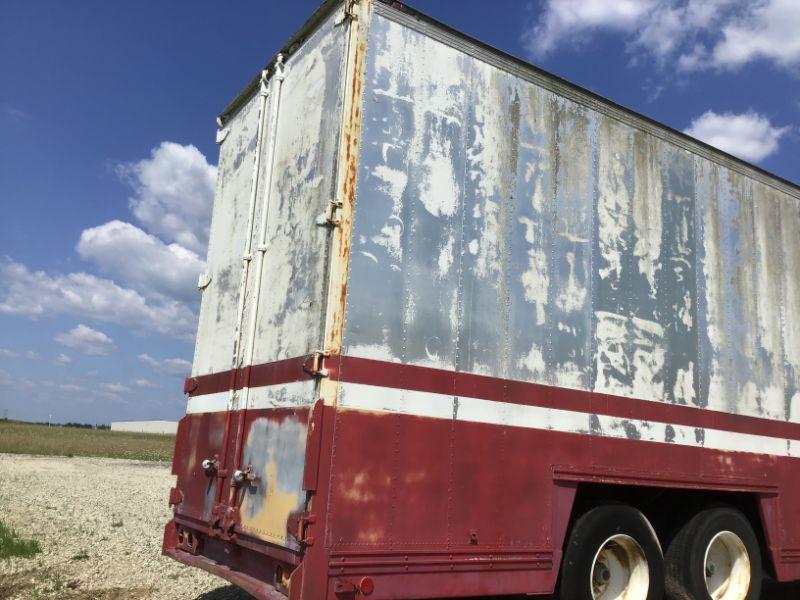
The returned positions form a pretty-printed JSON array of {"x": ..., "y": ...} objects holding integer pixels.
[
  {"x": 27, "y": 438},
  {"x": 13, "y": 545}
]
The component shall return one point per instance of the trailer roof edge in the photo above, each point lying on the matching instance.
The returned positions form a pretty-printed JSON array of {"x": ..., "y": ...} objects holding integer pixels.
[
  {"x": 319, "y": 15},
  {"x": 409, "y": 16}
]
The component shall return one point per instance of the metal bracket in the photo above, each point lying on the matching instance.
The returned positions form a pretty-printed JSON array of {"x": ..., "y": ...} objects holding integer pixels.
[
  {"x": 314, "y": 364},
  {"x": 344, "y": 588},
  {"x": 330, "y": 218},
  {"x": 303, "y": 522},
  {"x": 175, "y": 496},
  {"x": 348, "y": 12},
  {"x": 349, "y": 9},
  {"x": 188, "y": 541}
]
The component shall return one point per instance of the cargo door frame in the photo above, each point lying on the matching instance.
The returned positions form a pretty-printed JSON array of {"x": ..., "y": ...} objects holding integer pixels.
[{"x": 223, "y": 518}]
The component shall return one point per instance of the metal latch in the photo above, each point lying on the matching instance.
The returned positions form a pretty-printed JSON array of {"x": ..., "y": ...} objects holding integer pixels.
[
  {"x": 242, "y": 476},
  {"x": 314, "y": 364},
  {"x": 330, "y": 217}
]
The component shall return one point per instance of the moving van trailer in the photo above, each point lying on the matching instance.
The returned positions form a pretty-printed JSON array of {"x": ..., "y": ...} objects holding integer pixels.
[{"x": 468, "y": 329}]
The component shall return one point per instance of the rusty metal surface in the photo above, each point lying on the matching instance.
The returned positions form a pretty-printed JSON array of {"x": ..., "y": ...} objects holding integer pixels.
[
  {"x": 355, "y": 19},
  {"x": 504, "y": 230}
]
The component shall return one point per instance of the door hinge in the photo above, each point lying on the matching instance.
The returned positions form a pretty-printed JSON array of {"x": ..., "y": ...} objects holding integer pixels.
[{"x": 330, "y": 218}]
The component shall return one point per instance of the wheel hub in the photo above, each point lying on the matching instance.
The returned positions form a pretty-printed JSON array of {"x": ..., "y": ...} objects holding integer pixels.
[
  {"x": 620, "y": 570},
  {"x": 727, "y": 567}
]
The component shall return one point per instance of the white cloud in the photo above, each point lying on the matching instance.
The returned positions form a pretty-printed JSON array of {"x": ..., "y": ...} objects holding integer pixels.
[
  {"x": 38, "y": 294},
  {"x": 63, "y": 359},
  {"x": 144, "y": 383},
  {"x": 563, "y": 18},
  {"x": 29, "y": 354},
  {"x": 168, "y": 366},
  {"x": 113, "y": 388},
  {"x": 769, "y": 31},
  {"x": 173, "y": 189},
  {"x": 86, "y": 340},
  {"x": 142, "y": 261},
  {"x": 70, "y": 387},
  {"x": 749, "y": 135},
  {"x": 690, "y": 34}
]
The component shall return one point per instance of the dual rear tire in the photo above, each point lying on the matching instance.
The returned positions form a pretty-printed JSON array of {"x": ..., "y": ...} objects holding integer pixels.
[{"x": 613, "y": 553}]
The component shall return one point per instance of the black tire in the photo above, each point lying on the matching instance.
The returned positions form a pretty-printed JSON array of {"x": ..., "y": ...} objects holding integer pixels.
[
  {"x": 589, "y": 534},
  {"x": 685, "y": 558}
]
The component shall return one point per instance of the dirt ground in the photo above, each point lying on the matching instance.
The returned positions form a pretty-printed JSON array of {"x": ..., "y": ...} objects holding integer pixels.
[{"x": 99, "y": 523}]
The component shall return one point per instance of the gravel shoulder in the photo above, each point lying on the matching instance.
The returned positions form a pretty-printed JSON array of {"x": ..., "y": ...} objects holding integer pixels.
[{"x": 99, "y": 522}]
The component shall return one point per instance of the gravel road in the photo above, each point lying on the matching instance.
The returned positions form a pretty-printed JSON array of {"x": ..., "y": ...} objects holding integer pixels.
[{"x": 99, "y": 523}]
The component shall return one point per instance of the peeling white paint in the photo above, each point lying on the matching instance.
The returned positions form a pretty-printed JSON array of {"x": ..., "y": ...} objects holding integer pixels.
[
  {"x": 533, "y": 362},
  {"x": 572, "y": 296},
  {"x": 390, "y": 237},
  {"x": 374, "y": 351},
  {"x": 438, "y": 193},
  {"x": 393, "y": 184},
  {"x": 683, "y": 390},
  {"x": 647, "y": 207},
  {"x": 445, "y": 261}
]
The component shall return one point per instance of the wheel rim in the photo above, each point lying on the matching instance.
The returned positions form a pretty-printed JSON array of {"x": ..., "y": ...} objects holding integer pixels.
[
  {"x": 727, "y": 567},
  {"x": 620, "y": 570}
]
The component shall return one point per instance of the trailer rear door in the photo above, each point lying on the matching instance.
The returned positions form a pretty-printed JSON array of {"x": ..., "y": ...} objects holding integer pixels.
[{"x": 263, "y": 310}]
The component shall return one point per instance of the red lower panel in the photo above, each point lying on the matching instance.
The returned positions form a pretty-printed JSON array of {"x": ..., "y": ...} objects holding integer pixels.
[
  {"x": 427, "y": 508},
  {"x": 437, "y": 508}
]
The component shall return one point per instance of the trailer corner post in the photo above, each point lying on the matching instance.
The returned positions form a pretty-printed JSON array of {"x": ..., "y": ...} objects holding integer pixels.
[{"x": 355, "y": 14}]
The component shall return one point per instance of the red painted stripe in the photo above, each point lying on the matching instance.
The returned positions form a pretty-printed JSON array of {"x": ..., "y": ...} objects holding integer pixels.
[
  {"x": 439, "y": 381},
  {"x": 274, "y": 373},
  {"x": 425, "y": 379}
]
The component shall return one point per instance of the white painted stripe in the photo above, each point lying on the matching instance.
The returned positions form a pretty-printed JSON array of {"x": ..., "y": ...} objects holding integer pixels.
[
  {"x": 378, "y": 399},
  {"x": 284, "y": 395},
  {"x": 208, "y": 403},
  {"x": 382, "y": 399}
]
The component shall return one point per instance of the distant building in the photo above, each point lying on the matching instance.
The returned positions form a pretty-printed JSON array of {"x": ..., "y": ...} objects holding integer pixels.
[{"x": 165, "y": 427}]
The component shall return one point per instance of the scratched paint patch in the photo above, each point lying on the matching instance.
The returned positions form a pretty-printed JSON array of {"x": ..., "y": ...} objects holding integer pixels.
[{"x": 275, "y": 450}]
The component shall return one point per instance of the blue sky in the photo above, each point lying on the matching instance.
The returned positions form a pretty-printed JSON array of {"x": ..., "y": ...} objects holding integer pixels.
[{"x": 107, "y": 155}]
